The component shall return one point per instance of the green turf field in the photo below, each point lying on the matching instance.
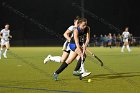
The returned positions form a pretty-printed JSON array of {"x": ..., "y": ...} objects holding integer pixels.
[{"x": 24, "y": 72}]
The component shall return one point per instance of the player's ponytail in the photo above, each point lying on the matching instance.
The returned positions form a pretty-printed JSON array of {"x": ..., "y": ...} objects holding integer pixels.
[{"x": 77, "y": 18}]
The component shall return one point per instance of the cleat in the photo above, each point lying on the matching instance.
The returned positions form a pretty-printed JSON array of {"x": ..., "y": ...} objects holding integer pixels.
[
  {"x": 85, "y": 74},
  {"x": 47, "y": 59},
  {"x": 55, "y": 76},
  {"x": 76, "y": 73}
]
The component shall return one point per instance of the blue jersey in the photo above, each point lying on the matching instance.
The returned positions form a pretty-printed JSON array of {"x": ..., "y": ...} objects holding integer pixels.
[{"x": 81, "y": 36}]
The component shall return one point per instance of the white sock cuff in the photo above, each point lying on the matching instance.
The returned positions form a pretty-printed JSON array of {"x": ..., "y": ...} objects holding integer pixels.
[
  {"x": 127, "y": 46},
  {"x": 82, "y": 67},
  {"x": 56, "y": 59}
]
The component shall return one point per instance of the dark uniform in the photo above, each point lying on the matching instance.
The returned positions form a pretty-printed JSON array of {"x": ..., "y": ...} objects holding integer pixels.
[{"x": 81, "y": 36}]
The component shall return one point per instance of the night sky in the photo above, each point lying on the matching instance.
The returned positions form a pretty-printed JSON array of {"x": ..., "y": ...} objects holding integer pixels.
[{"x": 43, "y": 22}]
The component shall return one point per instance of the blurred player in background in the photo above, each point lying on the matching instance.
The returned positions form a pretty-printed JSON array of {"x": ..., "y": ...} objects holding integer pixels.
[
  {"x": 4, "y": 35},
  {"x": 118, "y": 40},
  {"x": 125, "y": 36},
  {"x": 109, "y": 40}
]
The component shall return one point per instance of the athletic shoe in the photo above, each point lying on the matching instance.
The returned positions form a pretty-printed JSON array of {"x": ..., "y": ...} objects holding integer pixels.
[
  {"x": 82, "y": 71},
  {"x": 85, "y": 74},
  {"x": 4, "y": 55},
  {"x": 55, "y": 76},
  {"x": 47, "y": 59},
  {"x": 76, "y": 73}
]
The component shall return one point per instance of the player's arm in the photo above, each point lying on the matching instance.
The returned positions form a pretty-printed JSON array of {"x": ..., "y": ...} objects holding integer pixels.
[
  {"x": 76, "y": 38},
  {"x": 10, "y": 35},
  {"x": 122, "y": 35},
  {"x": 1, "y": 34},
  {"x": 87, "y": 37},
  {"x": 129, "y": 35},
  {"x": 67, "y": 35}
]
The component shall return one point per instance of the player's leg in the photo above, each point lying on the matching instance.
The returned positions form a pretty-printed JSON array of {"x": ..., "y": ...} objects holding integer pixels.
[
  {"x": 66, "y": 52},
  {"x": 122, "y": 50},
  {"x": 2, "y": 46},
  {"x": 1, "y": 49},
  {"x": 80, "y": 65},
  {"x": 127, "y": 46},
  {"x": 64, "y": 56},
  {"x": 57, "y": 59},
  {"x": 52, "y": 58},
  {"x": 82, "y": 58},
  {"x": 76, "y": 71},
  {"x": 78, "y": 58},
  {"x": 71, "y": 57},
  {"x": 7, "y": 48},
  {"x": 73, "y": 54},
  {"x": 110, "y": 44}
]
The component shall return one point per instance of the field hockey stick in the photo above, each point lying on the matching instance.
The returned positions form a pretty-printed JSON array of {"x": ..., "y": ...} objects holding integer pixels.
[
  {"x": 82, "y": 62},
  {"x": 96, "y": 57}
]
